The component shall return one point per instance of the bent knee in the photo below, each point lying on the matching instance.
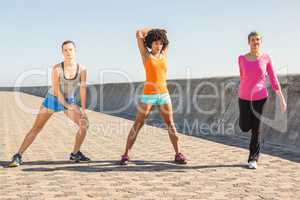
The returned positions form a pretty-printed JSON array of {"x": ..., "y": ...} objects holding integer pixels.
[
  {"x": 84, "y": 124},
  {"x": 244, "y": 128}
]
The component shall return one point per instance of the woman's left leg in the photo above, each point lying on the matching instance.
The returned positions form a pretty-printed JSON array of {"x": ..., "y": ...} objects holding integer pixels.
[
  {"x": 166, "y": 112},
  {"x": 77, "y": 117},
  {"x": 255, "y": 142}
]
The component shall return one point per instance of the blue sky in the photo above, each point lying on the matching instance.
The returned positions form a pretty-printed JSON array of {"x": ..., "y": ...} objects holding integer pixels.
[{"x": 206, "y": 37}]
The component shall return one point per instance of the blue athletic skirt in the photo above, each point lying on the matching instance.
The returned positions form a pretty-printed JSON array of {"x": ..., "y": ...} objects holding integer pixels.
[{"x": 51, "y": 102}]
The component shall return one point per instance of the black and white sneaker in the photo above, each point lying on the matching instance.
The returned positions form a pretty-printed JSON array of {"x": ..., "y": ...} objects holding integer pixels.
[
  {"x": 79, "y": 157},
  {"x": 16, "y": 161}
]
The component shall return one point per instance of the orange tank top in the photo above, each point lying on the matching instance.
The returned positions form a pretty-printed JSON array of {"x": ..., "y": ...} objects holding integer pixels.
[{"x": 156, "y": 75}]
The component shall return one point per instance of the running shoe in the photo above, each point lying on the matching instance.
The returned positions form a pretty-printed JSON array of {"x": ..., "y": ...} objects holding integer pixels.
[
  {"x": 79, "y": 157},
  {"x": 252, "y": 165},
  {"x": 180, "y": 159},
  {"x": 124, "y": 160},
  {"x": 16, "y": 161}
]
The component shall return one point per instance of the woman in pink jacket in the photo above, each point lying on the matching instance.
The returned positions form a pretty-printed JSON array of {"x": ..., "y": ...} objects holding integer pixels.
[{"x": 254, "y": 66}]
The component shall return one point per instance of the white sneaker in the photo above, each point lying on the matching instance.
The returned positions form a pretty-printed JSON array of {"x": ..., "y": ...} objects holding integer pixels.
[{"x": 252, "y": 164}]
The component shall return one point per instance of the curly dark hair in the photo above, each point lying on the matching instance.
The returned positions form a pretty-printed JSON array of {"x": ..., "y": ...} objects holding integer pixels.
[{"x": 155, "y": 35}]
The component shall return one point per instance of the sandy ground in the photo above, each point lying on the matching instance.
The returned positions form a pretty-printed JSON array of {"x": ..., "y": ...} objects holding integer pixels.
[{"x": 215, "y": 171}]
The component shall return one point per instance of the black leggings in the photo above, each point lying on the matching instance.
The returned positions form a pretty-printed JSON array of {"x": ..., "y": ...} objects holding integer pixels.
[{"x": 250, "y": 112}]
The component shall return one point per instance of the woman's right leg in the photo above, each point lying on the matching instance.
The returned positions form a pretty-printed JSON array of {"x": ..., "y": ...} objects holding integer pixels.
[
  {"x": 41, "y": 119},
  {"x": 142, "y": 114}
]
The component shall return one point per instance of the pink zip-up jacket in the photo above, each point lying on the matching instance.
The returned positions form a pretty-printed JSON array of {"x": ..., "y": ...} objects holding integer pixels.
[{"x": 253, "y": 77}]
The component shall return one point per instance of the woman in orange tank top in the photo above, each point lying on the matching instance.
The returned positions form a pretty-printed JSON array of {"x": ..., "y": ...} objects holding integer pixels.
[{"x": 153, "y": 46}]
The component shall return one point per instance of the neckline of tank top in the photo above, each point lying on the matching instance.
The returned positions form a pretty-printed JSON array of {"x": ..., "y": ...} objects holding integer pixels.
[
  {"x": 69, "y": 79},
  {"x": 257, "y": 59},
  {"x": 157, "y": 59}
]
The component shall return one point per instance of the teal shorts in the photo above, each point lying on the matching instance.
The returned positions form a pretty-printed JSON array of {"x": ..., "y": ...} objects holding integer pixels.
[
  {"x": 51, "y": 103},
  {"x": 156, "y": 99}
]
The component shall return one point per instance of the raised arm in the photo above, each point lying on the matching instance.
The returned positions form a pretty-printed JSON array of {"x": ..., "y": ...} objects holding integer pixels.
[
  {"x": 165, "y": 51},
  {"x": 140, "y": 36}
]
